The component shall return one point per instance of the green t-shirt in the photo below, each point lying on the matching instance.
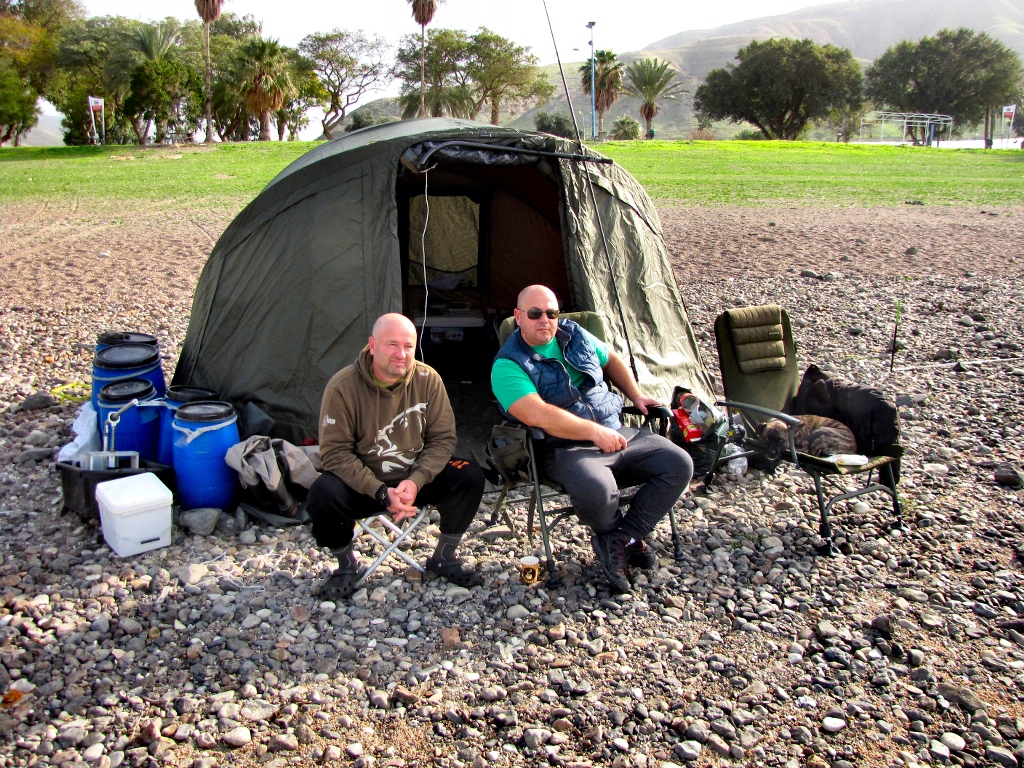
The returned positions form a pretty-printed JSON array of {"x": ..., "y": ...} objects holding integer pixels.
[{"x": 510, "y": 382}]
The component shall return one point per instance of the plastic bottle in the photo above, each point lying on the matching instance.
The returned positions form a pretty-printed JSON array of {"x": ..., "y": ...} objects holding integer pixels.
[{"x": 735, "y": 466}]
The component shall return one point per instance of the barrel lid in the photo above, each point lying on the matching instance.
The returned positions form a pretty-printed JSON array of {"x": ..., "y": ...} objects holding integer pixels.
[
  {"x": 126, "y": 356},
  {"x": 127, "y": 389},
  {"x": 182, "y": 394},
  {"x": 205, "y": 411},
  {"x": 114, "y": 338}
]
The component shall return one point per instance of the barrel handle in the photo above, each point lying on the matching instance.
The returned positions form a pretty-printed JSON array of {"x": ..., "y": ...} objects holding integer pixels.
[
  {"x": 111, "y": 425},
  {"x": 192, "y": 434}
]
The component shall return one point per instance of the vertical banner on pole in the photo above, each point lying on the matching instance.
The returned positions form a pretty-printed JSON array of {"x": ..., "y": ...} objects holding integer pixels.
[
  {"x": 96, "y": 105},
  {"x": 1009, "y": 113}
]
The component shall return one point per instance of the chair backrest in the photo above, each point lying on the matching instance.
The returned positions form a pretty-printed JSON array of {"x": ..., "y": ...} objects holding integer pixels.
[
  {"x": 592, "y": 322},
  {"x": 757, "y": 357}
]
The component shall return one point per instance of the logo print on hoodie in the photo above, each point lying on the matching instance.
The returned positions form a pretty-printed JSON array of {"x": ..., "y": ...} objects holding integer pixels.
[{"x": 410, "y": 420}]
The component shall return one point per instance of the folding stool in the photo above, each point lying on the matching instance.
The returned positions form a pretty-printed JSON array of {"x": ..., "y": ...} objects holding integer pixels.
[{"x": 391, "y": 545}]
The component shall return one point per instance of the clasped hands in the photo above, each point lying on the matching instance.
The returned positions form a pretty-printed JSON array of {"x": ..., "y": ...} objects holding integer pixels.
[{"x": 402, "y": 500}]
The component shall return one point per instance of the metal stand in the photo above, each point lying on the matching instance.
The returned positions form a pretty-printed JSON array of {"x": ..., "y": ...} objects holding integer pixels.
[{"x": 391, "y": 546}]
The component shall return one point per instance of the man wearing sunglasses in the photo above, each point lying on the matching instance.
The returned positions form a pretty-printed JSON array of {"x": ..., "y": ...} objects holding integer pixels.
[{"x": 552, "y": 374}]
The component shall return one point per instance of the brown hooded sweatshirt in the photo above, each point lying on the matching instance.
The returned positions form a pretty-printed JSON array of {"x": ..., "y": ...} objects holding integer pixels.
[{"x": 370, "y": 434}]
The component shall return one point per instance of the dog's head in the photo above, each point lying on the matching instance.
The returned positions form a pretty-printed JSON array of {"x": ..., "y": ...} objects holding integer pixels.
[{"x": 774, "y": 436}]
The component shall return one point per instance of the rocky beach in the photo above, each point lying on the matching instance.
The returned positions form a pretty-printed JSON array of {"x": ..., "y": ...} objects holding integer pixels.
[{"x": 906, "y": 650}]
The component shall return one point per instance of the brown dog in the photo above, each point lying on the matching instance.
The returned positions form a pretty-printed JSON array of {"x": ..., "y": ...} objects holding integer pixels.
[{"x": 816, "y": 436}]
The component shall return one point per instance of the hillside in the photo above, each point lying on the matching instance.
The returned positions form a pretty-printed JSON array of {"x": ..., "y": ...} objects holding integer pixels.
[{"x": 866, "y": 27}]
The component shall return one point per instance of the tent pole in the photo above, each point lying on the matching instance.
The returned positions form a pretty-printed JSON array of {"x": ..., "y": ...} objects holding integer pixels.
[{"x": 593, "y": 197}]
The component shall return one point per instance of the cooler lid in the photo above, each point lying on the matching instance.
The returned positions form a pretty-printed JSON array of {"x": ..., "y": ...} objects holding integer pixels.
[
  {"x": 127, "y": 389},
  {"x": 135, "y": 493},
  {"x": 126, "y": 356},
  {"x": 113, "y": 338},
  {"x": 205, "y": 411},
  {"x": 182, "y": 394}
]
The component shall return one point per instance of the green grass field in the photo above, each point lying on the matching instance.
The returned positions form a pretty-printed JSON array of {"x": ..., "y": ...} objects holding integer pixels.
[{"x": 691, "y": 173}]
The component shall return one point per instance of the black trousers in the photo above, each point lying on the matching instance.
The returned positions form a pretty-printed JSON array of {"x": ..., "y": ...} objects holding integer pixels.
[{"x": 335, "y": 507}]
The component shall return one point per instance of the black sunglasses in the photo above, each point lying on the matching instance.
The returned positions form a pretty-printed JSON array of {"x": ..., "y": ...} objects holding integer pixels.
[{"x": 534, "y": 313}]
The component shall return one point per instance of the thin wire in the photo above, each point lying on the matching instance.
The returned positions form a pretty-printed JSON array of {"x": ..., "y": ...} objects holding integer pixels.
[
  {"x": 423, "y": 258},
  {"x": 593, "y": 197}
]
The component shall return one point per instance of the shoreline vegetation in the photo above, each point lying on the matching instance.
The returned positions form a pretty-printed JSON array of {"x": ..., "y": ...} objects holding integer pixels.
[{"x": 699, "y": 173}]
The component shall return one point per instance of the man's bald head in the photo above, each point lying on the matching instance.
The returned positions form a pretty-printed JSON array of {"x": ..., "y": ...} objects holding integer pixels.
[
  {"x": 392, "y": 347},
  {"x": 536, "y": 297},
  {"x": 391, "y": 323},
  {"x": 539, "y": 296}
]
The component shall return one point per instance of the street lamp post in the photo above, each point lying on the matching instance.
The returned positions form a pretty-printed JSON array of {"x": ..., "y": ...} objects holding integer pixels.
[{"x": 593, "y": 95}]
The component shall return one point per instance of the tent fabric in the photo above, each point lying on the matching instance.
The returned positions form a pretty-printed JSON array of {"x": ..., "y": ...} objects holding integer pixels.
[{"x": 292, "y": 288}]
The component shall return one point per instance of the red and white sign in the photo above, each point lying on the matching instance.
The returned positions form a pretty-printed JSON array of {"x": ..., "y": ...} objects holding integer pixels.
[
  {"x": 1010, "y": 112},
  {"x": 95, "y": 104}
]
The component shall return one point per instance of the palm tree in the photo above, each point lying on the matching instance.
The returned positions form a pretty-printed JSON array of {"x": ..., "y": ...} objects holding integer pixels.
[
  {"x": 650, "y": 80},
  {"x": 607, "y": 83},
  {"x": 423, "y": 12},
  {"x": 209, "y": 12},
  {"x": 265, "y": 78},
  {"x": 155, "y": 41}
]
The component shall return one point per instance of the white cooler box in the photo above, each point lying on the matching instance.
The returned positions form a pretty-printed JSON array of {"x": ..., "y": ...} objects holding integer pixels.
[{"x": 135, "y": 513}]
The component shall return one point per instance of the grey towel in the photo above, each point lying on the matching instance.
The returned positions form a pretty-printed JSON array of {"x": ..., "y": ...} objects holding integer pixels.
[{"x": 259, "y": 461}]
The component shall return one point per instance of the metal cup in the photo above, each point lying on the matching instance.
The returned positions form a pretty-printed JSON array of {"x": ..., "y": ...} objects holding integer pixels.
[{"x": 529, "y": 569}]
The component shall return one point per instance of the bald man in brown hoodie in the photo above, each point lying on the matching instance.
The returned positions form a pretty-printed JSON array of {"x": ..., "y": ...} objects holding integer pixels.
[{"x": 387, "y": 433}]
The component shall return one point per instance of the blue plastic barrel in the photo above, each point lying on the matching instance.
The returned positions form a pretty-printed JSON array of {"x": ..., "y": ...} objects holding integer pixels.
[
  {"x": 203, "y": 432},
  {"x": 176, "y": 397},
  {"x": 139, "y": 427},
  {"x": 126, "y": 361},
  {"x": 117, "y": 338}
]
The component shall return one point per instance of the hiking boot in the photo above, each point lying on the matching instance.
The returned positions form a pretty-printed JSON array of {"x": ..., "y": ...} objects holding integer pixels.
[
  {"x": 613, "y": 557},
  {"x": 641, "y": 556}
]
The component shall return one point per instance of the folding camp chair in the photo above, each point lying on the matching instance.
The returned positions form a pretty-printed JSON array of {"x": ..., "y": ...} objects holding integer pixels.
[
  {"x": 757, "y": 357},
  {"x": 391, "y": 546},
  {"x": 530, "y": 473}
]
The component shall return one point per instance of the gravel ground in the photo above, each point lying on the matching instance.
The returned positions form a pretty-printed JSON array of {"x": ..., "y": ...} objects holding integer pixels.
[{"x": 908, "y": 650}]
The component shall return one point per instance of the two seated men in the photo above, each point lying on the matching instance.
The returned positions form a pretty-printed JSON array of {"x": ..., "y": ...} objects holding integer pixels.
[{"x": 387, "y": 434}]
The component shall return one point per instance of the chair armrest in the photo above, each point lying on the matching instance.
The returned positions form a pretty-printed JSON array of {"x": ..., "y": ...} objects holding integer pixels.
[
  {"x": 790, "y": 421},
  {"x": 653, "y": 411},
  {"x": 660, "y": 413}
]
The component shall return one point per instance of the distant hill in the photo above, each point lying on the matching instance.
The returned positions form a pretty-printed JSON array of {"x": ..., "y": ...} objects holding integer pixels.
[
  {"x": 48, "y": 132},
  {"x": 866, "y": 27}
]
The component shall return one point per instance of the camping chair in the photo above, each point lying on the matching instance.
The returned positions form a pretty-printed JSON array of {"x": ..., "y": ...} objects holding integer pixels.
[
  {"x": 531, "y": 476},
  {"x": 390, "y": 545},
  {"x": 757, "y": 357}
]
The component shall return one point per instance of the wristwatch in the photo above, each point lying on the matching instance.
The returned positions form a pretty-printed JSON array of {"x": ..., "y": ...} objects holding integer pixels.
[{"x": 382, "y": 495}]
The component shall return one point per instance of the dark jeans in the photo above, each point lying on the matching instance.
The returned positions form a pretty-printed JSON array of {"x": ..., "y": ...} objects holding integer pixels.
[
  {"x": 335, "y": 507},
  {"x": 592, "y": 479}
]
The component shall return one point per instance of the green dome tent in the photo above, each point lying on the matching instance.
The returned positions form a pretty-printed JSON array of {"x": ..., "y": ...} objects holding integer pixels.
[{"x": 293, "y": 286}]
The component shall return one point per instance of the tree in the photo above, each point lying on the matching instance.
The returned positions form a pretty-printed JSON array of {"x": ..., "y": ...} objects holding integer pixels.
[
  {"x": 958, "y": 73},
  {"x": 18, "y": 111},
  {"x": 209, "y": 12},
  {"x": 607, "y": 83},
  {"x": 159, "y": 89},
  {"x": 626, "y": 128},
  {"x": 503, "y": 73},
  {"x": 265, "y": 79},
  {"x": 423, "y": 12},
  {"x": 650, "y": 80},
  {"x": 95, "y": 58},
  {"x": 347, "y": 65},
  {"x": 780, "y": 85},
  {"x": 448, "y": 88},
  {"x": 555, "y": 123}
]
